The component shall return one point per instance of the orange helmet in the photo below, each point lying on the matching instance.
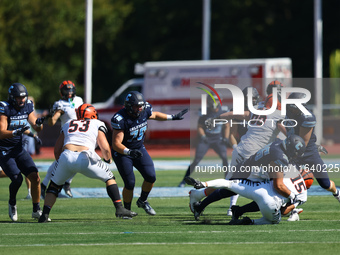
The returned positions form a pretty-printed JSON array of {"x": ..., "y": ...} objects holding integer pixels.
[
  {"x": 274, "y": 84},
  {"x": 86, "y": 111},
  {"x": 67, "y": 90},
  {"x": 307, "y": 176}
]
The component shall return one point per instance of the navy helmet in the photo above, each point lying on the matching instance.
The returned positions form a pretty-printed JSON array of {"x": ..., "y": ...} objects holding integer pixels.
[
  {"x": 292, "y": 109},
  {"x": 294, "y": 146},
  {"x": 134, "y": 98},
  {"x": 213, "y": 104},
  {"x": 255, "y": 96},
  {"x": 17, "y": 90}
]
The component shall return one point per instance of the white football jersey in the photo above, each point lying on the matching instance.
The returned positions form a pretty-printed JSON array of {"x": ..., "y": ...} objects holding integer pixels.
[
  {"x": 82, "y": 132},
  {"x": 295, "y": 183},
  {"x": 262, "y": 130},
  {"x": 68, "y": 107}
]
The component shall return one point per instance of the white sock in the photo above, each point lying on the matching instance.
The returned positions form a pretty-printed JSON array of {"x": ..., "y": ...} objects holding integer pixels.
[{"x": 233, "y": 200}]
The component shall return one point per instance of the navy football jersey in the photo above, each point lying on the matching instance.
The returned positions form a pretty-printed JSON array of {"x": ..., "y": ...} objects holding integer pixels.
[
  {"x": 215, "y": 132},
  {"x": 303, "y": 121},
  {"x": 271, "y": 152},
  {"x": 16, "y": 119},
  {"x": 134, "y": 128}
]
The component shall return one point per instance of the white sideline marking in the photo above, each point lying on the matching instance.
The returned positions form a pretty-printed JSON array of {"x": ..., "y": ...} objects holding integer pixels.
[
  {"x": 162, "y": 243},
  {"x": 172, "y": 232}
]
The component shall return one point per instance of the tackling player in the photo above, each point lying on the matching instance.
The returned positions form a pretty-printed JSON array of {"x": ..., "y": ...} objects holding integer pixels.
[
  {"x": 129, "y": 126},
  {"x": 216, "y": 138},
  {"x": 75, "y": 152},
  {"x": 284, "y": 189},
  {"x": 311, "y": 158}
]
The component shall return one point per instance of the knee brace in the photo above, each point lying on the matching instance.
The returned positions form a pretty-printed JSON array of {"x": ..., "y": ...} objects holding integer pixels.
[{"x": 54, "y": 188}]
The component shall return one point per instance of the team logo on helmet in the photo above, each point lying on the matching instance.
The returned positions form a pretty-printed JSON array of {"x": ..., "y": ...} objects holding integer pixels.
[
  {"x": 17, "y": 90},
  {"x": 132, "y": 99},
  {"x": 295, "y": 146}
]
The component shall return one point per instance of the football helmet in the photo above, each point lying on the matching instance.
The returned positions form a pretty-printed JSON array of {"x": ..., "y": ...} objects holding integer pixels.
[
  {"x": 17, "y": 90},
  {"x": 255, "y": 96},
  {"x": 67, "y": 90},
  {"x": 292, "y": 109},
  {"x": 211, "y": 105},
  {"x": 86, "y": 111},
  {"x": 134, "y": 98},
  {"x": 294, "y": 146},
  {"x": 274, "y": 84}
]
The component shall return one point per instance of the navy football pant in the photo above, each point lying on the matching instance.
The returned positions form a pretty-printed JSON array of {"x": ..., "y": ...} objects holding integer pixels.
[
  {"x": 202, "y": 148},
  {"x": 125, "y": 166},
  {"x": 13, "y": 164}
]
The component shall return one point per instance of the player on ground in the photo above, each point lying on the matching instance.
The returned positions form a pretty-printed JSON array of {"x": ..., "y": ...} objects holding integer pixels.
[
  {"x": 75, "y": 152},
  {"x": 129, "y": 127},
  {"x": 261, "y": 131},
  {"x": 283, "y": 190},
  {"x": 63, "y": 109},
  {"x": 15, "y": 115}
]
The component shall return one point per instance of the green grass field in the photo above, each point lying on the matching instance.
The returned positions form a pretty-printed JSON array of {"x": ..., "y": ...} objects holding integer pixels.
[{"x": 89, "y": 226}]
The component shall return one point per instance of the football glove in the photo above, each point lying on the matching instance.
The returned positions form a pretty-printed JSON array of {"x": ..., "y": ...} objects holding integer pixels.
[
  {"x": 20, "y": 131},
  {"x": 37, "y": 140},
  {"x": 209, "y": 123},
  {"x": 136, "y": 154},
  {"x": 322, "y": 149},
  {"x": 179, "y": 116},
  {"x": 39, "y": 121},
  {"x": 225, "y": 141},
  {"x": 204, "y": 139}
]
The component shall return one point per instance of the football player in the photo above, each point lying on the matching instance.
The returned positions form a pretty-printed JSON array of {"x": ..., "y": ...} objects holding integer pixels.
[
  {"x": 216, "y": 138},
  {"x": 15, "y": 116},
  {"x": 283, "y": 190},
  {"x": 63, "y": 109},
  {"x": 129, "y": 126},
  {"x": 261, "y": 131},
  {"x": 311, "y": 158},
  {"x": 75, "y": 152}
]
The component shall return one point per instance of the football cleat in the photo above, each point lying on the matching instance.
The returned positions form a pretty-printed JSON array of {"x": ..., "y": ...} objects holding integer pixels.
[
  {"x": 181, "y": 184},
  {"x": 197, "y": 211},
  {"x": 146, "y": 206},
  {"x": 191, "y": 181},
  {"x": 193, "y": 199},
  {"x": 12, "y": 212},
  {"x": 124, "y": 213},
  {"x": 229, "y": 212},
  {"x": 28, "y": 196},
  {"x": 244, "y": 221},
  {"x": 67, "y": 189},
  {"x": 294, "y": 216},
  {"x": 337, "y": 195},
  {"x": 44, "y": 218},
  {"x": 38, "y": 214},
  {"x": 235, "y": 212}
]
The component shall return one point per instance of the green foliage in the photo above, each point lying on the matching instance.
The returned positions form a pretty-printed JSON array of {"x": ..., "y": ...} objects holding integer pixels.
[{"x": 42, "y": 41}]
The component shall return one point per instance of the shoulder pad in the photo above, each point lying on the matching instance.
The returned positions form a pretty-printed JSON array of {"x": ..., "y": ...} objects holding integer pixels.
[{"x": 103, "y": 129}]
